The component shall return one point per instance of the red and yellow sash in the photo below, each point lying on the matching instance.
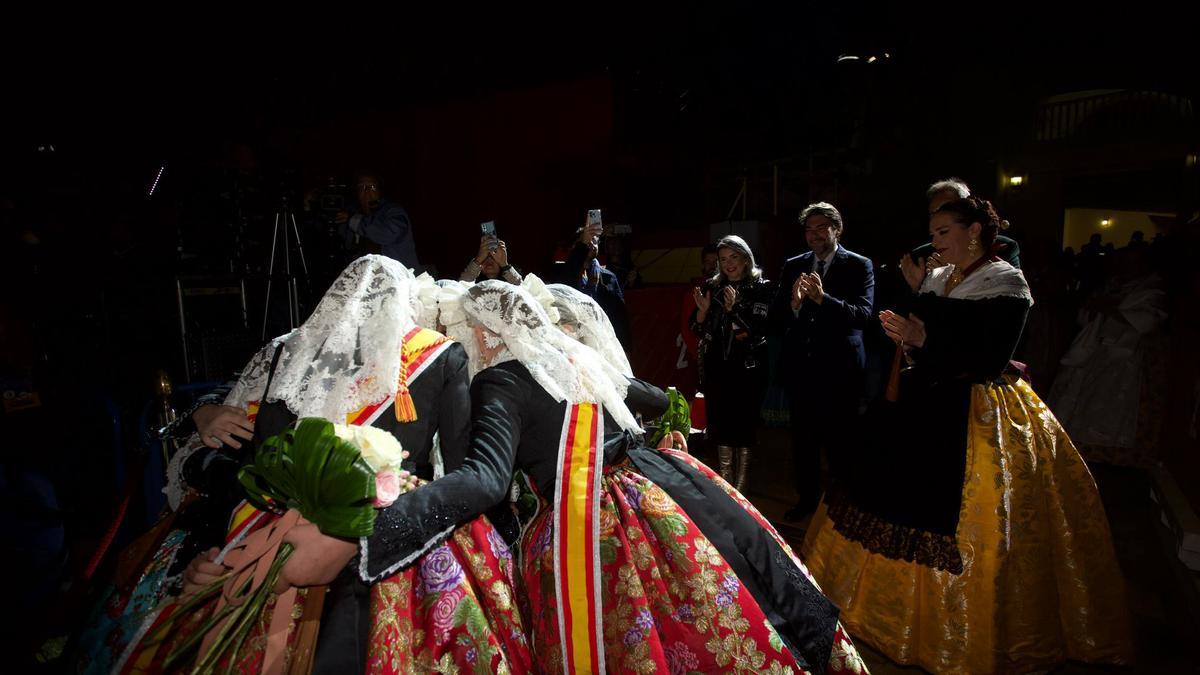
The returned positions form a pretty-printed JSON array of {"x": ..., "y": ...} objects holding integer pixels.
[
  {"x": 421, "y": 347},
  {"x": 577, "y": 539}
]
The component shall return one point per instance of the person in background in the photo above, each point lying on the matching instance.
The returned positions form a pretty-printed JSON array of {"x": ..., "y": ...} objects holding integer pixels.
[
  {"x": 379, "y": 220},
  {"x": 823, "y": 303},
  {"x": 491, "y": 262},
  {"x": 730, "y": 322},
  {"x": 583, "y": 271}
]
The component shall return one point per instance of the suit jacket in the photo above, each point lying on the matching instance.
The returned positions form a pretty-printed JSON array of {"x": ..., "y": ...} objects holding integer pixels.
[{"x": 823, "y": 345}]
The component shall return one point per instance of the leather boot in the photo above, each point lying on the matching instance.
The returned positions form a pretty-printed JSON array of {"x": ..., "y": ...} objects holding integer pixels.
[
  {"x": 725, "y": 462},
  {"x": 743, "y": 467}
]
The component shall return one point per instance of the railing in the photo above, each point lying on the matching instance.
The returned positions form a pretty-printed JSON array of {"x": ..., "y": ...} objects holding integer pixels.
[{"x": 1112, "y": 115}]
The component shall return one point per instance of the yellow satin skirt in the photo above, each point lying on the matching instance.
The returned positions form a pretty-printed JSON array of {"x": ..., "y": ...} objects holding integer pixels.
[{"x": 1040, "y": 583}]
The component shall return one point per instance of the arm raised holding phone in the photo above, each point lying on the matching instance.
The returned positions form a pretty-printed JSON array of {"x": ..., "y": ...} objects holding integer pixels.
[{"x": 491, "y": 261}]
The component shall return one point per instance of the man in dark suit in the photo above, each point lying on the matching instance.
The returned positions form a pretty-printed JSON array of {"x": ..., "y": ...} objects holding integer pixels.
[{"x": 823, "y": 304}]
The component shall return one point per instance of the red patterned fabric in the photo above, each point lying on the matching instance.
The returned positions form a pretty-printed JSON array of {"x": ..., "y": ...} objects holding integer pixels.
[
  {"x": 671, "y": 604},
  {"x": 844, "y": 657},
  {"x": 454, "y": 610}
]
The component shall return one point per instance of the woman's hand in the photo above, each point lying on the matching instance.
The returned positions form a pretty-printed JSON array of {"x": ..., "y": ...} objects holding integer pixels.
[
  {"x": 485, "y": 249},
  {"x": 675, "y": 440},
  {"x": 500, "y": 255},
  {"x": 202, "y": 573},
  {"x": 316, "y": 558},
  {"x": 729, "y": 298},
  {"x": 914, "y": 272},
  {"x": 219, "y": 424},
  {"x": 907, "y": 332}
]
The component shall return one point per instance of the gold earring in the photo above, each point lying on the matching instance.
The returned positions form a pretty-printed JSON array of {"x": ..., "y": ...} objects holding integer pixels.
[{"x": 973, "y": 247}]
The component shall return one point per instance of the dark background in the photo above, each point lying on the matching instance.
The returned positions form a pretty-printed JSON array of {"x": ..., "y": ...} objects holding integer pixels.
[{"x": 528, "y": 117}]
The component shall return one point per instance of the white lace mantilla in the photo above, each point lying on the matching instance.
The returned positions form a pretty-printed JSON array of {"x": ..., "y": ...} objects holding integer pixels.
[
  {"x": 996, "y": 279},
  {"x": 347, "y": 354},
  {"x": 568, "y": 370},
  {"x": 580, "y": 317}
]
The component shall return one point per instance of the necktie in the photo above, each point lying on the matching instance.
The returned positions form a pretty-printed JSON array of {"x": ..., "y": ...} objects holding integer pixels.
[{"x": 821, "y": 268}]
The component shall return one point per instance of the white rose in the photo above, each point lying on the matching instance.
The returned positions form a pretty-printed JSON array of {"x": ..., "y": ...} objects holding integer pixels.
[{"x": 378, "y": 447}]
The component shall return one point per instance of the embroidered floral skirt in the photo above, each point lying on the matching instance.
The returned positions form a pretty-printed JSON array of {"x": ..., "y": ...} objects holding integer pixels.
[
  {"x": 671, "y": 604},
  {"x": 843, "y": 658},
  {"x": 1040, "y": 581},
  {"x": 453, "y": 610}
]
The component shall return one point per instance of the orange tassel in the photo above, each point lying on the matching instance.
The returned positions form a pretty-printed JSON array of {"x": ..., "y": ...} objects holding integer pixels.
[
  {"x": 417, "y": 342},
  {"x": 406, "y": 411}
]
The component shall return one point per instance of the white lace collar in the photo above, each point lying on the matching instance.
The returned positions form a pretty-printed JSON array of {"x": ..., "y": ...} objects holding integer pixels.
[{"x": 994, "y": 279}]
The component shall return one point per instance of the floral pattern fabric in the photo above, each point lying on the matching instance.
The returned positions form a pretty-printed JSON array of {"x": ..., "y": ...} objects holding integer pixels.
[
  {"x": 671, "y": 604},
  {"x": 452, "y": 611},
  {"x": 843, "y": 658}
]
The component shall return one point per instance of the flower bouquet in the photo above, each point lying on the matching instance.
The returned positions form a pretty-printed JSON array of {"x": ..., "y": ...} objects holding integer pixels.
[
  {"x": 672, "y": 429},
  {"x": 334, "y": 476}
]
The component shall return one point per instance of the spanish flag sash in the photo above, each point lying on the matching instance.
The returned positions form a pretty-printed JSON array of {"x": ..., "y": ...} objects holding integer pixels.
[{"x": 577, "y": 539}]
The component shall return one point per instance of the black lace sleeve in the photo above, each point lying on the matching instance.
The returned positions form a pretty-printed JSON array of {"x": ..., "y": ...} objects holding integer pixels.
[{"x": 423, "y": 518}]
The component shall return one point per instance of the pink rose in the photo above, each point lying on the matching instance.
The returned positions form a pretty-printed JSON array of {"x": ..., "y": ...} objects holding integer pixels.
[{"x": 387, "y": 488}]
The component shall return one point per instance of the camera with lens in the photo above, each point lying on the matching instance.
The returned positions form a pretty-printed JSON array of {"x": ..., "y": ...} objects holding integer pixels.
[{"x": 332, "y": 197}]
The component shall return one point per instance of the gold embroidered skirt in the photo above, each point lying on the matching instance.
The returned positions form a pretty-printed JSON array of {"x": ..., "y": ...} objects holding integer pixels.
[{"x": 1040, "y": 583}]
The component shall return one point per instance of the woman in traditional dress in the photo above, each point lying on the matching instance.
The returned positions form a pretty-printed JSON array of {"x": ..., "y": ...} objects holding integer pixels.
[
  {"x": 617, "y": 576},
  {"x": 763, "y": 561},
  {"x": 971, "y": 539},
  {"x": 361, "y": 359}
]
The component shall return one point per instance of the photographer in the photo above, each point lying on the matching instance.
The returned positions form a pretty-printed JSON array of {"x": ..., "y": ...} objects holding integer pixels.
[
  {"x": 582, "y": 271},
  {"x": 381, "y": 221},
  {"x": 490, "y": 263}
]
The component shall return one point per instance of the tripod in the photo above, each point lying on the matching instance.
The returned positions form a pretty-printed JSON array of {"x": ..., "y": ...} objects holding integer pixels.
[{"x": 289, "y": 279}]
